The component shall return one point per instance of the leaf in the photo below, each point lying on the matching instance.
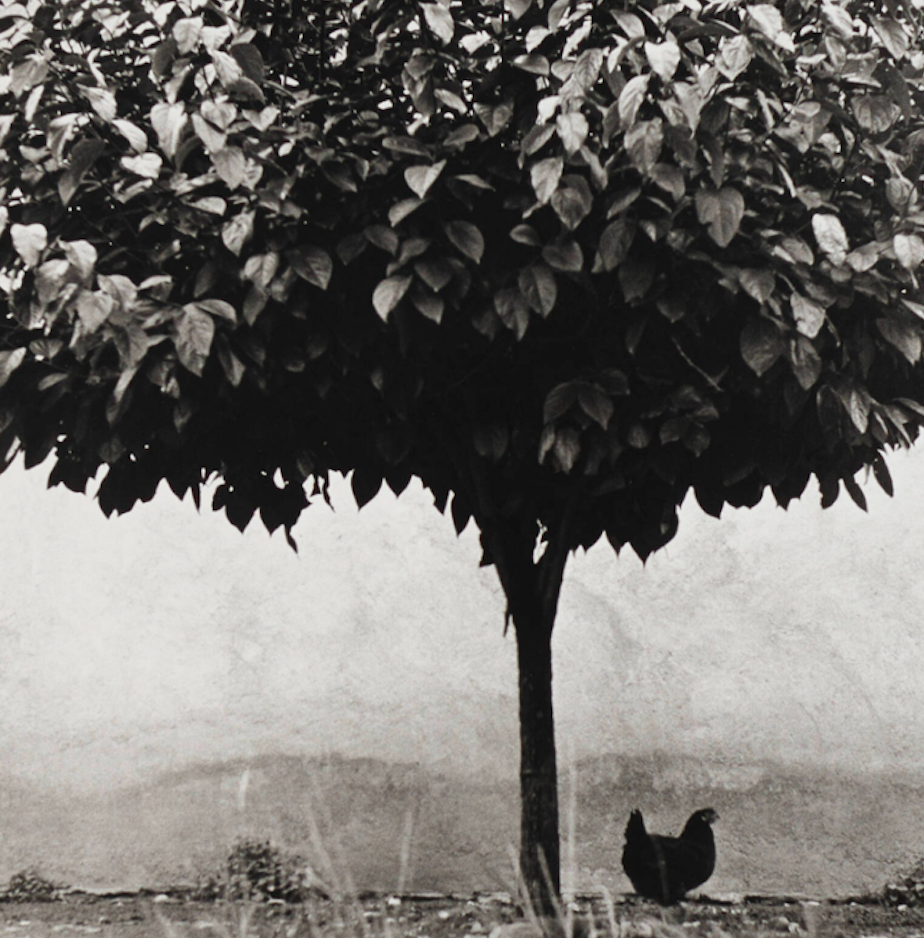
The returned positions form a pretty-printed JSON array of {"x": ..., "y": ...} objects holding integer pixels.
[
  {"x": 643, "y": 142},
  {"x": 838, "y": 19},
  {"x": 636, "y": 275},
  {"x": 806, "y": 362},
  {"x": 136, "y": 137},
  {"x": 29, "y": 241},
  {"x": 429, "y": 305},
  {"x": 27, "y": 74},
  {"x": 233, "y": 367},
  {"x": 734, "y": 56},
  {"x": 250, "y": 59},
  {"x": 831, "y": 237},
  {"x": 491, "y": 440},
  {"x": 495, "y": 117},
  {"x": 227, "y": 69},
  {"x": 220, "y": 309},
  {"x": 761, "y": 344},
  {"x": 261, "y": 268},
  {"x": 435, "y": 273},
  {"x": 567, "y": 448},
  {"x": 400, "y": 210},
  {"x": 721, "y": 211},
  {"x": 566, "y": 255},
  {"x": 146, "y": 165},
  {"x": 510, "y": 306},
  {"x": 194, "y": 333},
  {"x": 670, "y": 179},
  {"x": 909, "y": 250},
  {"x": 461, "y": 136},
  {"x": 83, "y": 155},
  {"x": 467, "y": 238},
  {"x": 545, "y": 176},
  {"x": 94, "y": 309},
  {"x": 856, "y": 401},
  {"x": 365, "y": 484},
  {"x": 312, "y": 263},
  {"x": 230, "y": 165},
  {"x": 809, "y": 315},
  {"x": 9, "y": 362},
  {"x": 595, "y": 403},
  {"x": 389, "y": 292},
  {"x": 213, "y": 137},
  {"x": 525, "y": 234},
  {"x": 769, "y": 21},
  {"x": 420, "y": 178},
  {"x": 855, "y": 492},
  {"x": 238, "y": 231},
  {"x": 892, "y": 34},
  {"x": 220, "y": 113},
  {"x": 631, "y": 98},
  {"x": 186, "y": 33},
  {"x": 572, "y": 201},
  {"x": 758, "y": 283},
  {"x": 903, "y": 335},
  {"x": 534, "y": 63},
  {"x": 516, "y": 8},
  {"x": 691, "y": 99},
  {"x": 615, "y": 242},
  {"x": 82, "y": 257},
  {"x": 537, "y": 284},
  {"x": 663, "y": 57},
  {"x": 213, "y": 204},
  {"x": 169, "y": 121},
  {"x": 101, "y": 100},
  {"x": 875, "y": 112},
  {"x": 865, "y": 257},
  {"x": 439, "y": 21},
  {"x": 572, "y": 131},
  {"x": 883, "y": 477}
]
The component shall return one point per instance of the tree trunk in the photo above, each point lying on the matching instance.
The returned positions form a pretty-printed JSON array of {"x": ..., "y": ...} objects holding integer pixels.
[
  {"x": 539, "y": 849},
  {"x": 532, "y": 588}
]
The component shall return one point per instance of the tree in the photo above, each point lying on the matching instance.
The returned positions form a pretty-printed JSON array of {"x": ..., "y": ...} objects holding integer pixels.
[{"x": 562, "y": 261}]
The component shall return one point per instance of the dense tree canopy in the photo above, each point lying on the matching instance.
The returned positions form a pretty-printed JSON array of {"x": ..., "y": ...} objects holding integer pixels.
[{"x": 563, "y": 261}]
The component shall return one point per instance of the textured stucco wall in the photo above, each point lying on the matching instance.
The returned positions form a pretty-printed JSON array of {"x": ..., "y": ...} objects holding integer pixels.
[{"x": 149, "y": 664}]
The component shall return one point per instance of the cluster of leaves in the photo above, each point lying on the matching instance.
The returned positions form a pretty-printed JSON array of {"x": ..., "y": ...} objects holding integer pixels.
[
  {"x": 564, "y": 260},
  {"x": 30, "y": 886},
  {"x": 258, "y": 872}
]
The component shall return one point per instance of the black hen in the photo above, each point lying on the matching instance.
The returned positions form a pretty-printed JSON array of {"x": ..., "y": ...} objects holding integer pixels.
[{"x": 667, "y": 868}]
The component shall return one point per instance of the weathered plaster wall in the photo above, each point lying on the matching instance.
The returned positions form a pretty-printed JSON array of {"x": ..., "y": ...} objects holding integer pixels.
[{"x": 156, "y": 670}]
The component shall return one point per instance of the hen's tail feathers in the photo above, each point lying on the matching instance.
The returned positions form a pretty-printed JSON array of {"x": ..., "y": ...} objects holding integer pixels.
[{"x": 635, "y": 829}]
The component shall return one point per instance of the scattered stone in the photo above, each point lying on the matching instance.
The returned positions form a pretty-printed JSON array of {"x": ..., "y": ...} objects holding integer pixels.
[{"x": 517, "y": 930}]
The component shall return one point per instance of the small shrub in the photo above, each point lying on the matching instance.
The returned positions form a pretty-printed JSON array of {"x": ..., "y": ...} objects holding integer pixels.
[
  {"x": 209, "y": 887},
  {"x": 909, "y": 890},
  {"x": 30, "y": 886},
  {"x": 258, "y": 871}
]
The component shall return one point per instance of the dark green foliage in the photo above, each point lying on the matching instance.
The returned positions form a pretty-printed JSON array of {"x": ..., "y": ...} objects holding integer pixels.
[
  {"x": 264, "y": 259},
  {"x": 30, "y": 886},
  {"x": 257, "y": 871}
]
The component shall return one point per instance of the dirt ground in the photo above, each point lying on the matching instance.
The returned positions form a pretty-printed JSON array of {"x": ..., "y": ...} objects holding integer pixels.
[{"x": 443, "y": 917}]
